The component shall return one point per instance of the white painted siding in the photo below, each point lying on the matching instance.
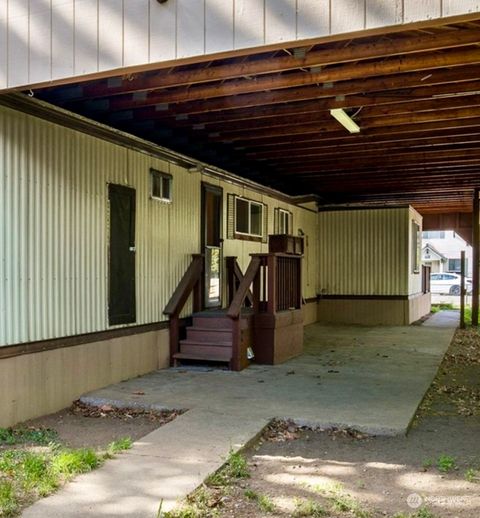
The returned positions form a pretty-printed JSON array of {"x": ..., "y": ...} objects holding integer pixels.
[
  {"x": 365, "y": 252},
  {"x": 44, "y": 40},
  {"x": 54, "y": 229}
]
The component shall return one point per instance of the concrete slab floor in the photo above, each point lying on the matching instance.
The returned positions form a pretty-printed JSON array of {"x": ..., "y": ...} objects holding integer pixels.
[{"x": 368, "y": 378}]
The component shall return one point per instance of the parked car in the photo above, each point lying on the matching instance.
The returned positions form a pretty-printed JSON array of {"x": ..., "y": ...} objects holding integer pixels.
[{"x": 448, "y": 283}]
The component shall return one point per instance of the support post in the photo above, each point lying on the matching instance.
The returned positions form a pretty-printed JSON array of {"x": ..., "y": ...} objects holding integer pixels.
[
  {"x": 476, "y": 257},
  {"x": 462, "y": 289}
]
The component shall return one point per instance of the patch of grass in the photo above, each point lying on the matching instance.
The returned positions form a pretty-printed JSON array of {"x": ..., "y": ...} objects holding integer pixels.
[
  {"x": 203, "y": 503},
  {"x": 73, "y": 462},
  {"x": 423, "y": 513},
  {"x": 427, "y": 463},
  {"x": 236, "y": 467},
  {"x": 308, "y": 508},
  {"x": 265, "y": 503},
  {"x": 41, "y": 436},
  {"x": 347, "y": 504},
  {"x": 8, "y": 499},
  {"x": 472, "y": 475},
  {"x": 125, "y": 443},
  {"x": 445, "y": 463}
]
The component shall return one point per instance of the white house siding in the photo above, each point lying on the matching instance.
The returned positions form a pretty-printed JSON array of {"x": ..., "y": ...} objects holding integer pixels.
[
  {"x": 364, "y": 252},
  {"x": 43, "y": 40},
  {"x": 54, "y": 229}
]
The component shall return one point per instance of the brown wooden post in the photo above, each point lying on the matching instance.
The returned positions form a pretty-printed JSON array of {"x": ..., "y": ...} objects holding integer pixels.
[
  {"x": 174, "y": 337},
  {"x": 230, "y": 264},
  {"x": 462, "y": 289},
  {"x": 272, "y": 283},
  {"x": 236, "y": 337},
  {"x": 476, "y": 257}
]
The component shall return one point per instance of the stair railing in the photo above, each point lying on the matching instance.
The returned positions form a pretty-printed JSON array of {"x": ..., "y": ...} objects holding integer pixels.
[{"x": 191, "y": 281}]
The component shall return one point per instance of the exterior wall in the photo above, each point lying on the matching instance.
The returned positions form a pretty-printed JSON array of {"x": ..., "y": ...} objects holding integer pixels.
[
  {"x": 37, "y": 384},
  {"x": 364, "y": 252},
  {"x": 43, "y": 41},
  {"x": 374, "y": 312},
  {"x": 54, "y": 213}
]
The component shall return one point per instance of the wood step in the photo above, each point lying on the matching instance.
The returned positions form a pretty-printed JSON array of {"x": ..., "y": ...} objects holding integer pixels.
[
  {"x": 217, "y": 322},
  {"x": 202, "y": 334},
  {"x": 200, "y": 356},
  {"x": 221, "y": 351}
]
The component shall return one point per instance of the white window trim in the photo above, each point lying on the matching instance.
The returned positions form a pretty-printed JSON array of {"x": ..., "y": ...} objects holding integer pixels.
[
  {"x": 162, "y": 175},
  {"x": 250, "y": 203}
]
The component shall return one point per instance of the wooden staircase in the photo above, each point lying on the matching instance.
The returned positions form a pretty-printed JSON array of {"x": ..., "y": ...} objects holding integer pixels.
[{"x": 210, "y": 338}]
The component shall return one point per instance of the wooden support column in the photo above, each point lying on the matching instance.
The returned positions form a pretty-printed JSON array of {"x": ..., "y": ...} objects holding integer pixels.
[
  {"x": 476, "y": 257},
  {"x": 462, "y": 289}
]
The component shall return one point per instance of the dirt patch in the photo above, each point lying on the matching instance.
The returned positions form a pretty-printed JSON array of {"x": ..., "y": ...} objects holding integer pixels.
[
  {"x": 340, "y": 473},
  {"x": 96, "y": 427}
]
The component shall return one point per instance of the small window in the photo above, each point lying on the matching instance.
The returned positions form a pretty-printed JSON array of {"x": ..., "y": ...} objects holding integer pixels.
[
  {"x": 283, "y": 221},
  {"x": 248, "y": 217},
  {"x": 161, "y": 185},
  {"x": 455, "y": 265},
  {"x": 416, "y": 247}
]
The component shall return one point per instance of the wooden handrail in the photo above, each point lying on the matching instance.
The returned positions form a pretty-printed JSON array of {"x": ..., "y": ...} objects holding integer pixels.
[
  {"x": 190, "y": 278},
  {"x": 244, "y": 287}
]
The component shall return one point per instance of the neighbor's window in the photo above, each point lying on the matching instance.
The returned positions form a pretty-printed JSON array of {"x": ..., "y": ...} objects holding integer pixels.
[
  {"x": 416, "y": 247},
  {"x": 161, "y": 185},
  {"x": 455, "y": 265},
  {"x": 248, "y": 217}
]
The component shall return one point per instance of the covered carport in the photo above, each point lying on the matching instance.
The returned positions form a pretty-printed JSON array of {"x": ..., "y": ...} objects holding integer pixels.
[{"x": 264, "y": 114}]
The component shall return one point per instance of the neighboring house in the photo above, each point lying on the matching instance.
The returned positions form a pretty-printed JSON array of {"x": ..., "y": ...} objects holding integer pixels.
[{"x": 442, "y": 251}]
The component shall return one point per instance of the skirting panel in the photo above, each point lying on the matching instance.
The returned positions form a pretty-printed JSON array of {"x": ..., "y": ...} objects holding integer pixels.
[
  {"x": 373, "y": 311},
  {"x": 33, "y": 385},
  {"x": 309, "y": 313}
]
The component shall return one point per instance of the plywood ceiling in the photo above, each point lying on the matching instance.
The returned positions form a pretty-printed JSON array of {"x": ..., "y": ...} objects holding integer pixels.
[{"x": 415, "y": 95}]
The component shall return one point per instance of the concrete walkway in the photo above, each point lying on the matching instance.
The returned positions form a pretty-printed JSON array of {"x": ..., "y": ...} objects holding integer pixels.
[{"x": 368, "y": 378}]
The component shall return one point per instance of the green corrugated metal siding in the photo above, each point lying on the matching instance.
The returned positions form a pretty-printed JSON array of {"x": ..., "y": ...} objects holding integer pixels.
[{"x": 363, "y": 252}]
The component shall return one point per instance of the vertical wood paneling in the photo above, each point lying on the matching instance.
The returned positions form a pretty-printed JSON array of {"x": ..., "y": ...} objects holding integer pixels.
[
  {"x": 453, "y": 7},
  {"x": 280, "y": 20},
  {"x": 381, "y": 14},
  {"x": 40, "y": 33},
  {"x": 85, "y": 36},
  {"x": 347, "y": 15},
  {"x": 62, "y": 39},
  {"x": 18, "y": 44},
  {"x": 313, "y": 18},
  {"x": 163, "y": 31},
  {"x": 421, "y": 10},
  {"x": 3, "y": 43},
  {"x": 249, "y": 23},
  {"x": 218, "y": 25},
  {"x": 190, "y": 27},
  {"x": 136, "y": 32},
  {"x": 110, "y": 34}
]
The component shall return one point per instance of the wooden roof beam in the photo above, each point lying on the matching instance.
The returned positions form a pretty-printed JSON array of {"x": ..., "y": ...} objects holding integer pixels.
[{"x": 238, "y": 69}]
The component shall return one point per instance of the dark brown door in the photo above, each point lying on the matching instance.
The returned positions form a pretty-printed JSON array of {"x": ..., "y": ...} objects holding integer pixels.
[
  {"x": 121, "y": 297},
  {"x": 212, "y": 215}
]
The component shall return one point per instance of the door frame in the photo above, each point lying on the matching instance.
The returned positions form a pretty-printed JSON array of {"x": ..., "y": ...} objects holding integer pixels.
[{"x": 205, "y": 187}]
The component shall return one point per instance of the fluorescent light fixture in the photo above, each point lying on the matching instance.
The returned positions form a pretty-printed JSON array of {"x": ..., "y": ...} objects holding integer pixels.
[{"x": 345, "y": 120}]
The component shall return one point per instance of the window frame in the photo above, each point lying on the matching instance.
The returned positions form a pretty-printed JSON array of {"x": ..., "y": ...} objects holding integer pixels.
[
  {"x": 285, "y": 216},
  {"x": 250, "y": 202},
  {"x": 163, "y": 176}
]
